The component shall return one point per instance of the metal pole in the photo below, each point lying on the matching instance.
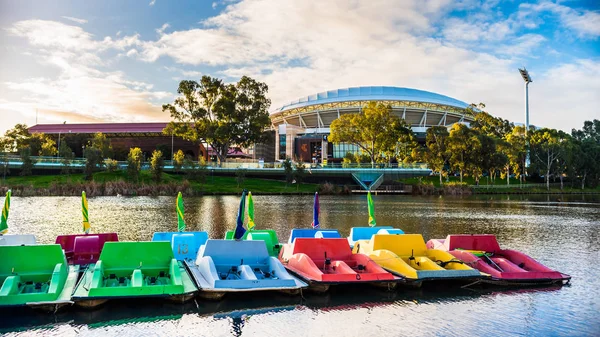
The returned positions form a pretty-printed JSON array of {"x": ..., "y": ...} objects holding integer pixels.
[
  {"x": 172, "y": 154},
  {"x": 58, "y": 152},
  {"x": 526, "y": 107}
]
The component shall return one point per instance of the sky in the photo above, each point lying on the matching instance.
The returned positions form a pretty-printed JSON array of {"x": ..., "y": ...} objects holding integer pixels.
[{"x": 119, "y": 61}]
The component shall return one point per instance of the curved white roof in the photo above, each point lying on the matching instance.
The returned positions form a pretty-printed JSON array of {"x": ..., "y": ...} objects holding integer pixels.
[{"x": 374, "y": 94}]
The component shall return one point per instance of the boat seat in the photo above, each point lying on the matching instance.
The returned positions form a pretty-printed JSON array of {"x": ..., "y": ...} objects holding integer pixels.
[
  {"x": 327, "y": 234},
  {"x": 390, "y": 231},
  {"x": 321, "y": 249},
  {"x": 86, "y": 247},
  {"x": 137, "y": 278},
  {"x": 10, "y": 286},
  {"x": 365, "y": 233},
  {"x": 484, "y": 242},
  {"x": 309, "y": 233}
]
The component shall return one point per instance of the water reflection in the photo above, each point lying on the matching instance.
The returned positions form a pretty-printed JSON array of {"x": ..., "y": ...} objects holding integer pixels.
[{"x": 561, "y": 234}]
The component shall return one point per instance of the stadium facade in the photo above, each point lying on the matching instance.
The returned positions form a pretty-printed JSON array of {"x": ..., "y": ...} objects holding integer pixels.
[{"x": 302, "y": 127}]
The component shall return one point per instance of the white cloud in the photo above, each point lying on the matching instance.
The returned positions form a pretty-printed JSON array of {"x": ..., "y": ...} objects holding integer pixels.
[
  {"x": 161, "y": 30},
  {"x": 152, "y": 3},
  {"x": 584, "y": 23},
  {"x": 79, "y": 21},
  {"x": 82, "y": 90}
]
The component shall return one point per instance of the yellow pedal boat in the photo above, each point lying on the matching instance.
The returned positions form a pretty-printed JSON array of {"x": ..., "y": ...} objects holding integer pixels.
[{"x": 407, "y": 255}]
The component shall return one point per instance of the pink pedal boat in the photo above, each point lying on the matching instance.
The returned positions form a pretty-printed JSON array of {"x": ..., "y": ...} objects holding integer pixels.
[{"x": 505, "y": 266}]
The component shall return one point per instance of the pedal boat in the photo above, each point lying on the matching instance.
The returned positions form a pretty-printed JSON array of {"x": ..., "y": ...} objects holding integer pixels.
[
  {"x": 406, "y": 255},
  {"x": 129, "y": 270},
  {"x": 505, "y": 266},
  {"x": 84, "y": 249},
  {"x": 231, "y": 266},
  {"x": 36, "y": 276},
  {"x": 312, "y": 233},
  {"x": 365, "y": 233},
  {"x": 323, "y": 262},
  {"x": 17, "y": 239},
  {"x": 269, "y": 236},
  {"x": 185, "y": 245}
]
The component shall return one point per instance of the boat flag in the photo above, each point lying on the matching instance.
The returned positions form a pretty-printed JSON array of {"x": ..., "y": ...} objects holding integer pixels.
[
  {"x": 239, "y": 229},
  {"x": 84, "y": 211},
  {"x": 316, "y": 211},
  {"x": 372, "y": 221},
  {"x": 250, "y": 212},
  {"x": 5, "y": 209},
  {"x": 180, "y": 213}
]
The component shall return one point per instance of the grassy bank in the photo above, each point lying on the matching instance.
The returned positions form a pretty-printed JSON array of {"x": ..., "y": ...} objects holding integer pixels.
[
  {"x": 431, "y": 185},
  {"x": 115, "y": 183}
]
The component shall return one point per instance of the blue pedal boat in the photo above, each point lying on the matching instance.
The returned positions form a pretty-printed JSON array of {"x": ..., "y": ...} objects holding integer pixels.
[
  {"x": 17, "y": 240},
  {"x": 313, "y": 233},
  {"x": 365, "y": 233},
  {"x": 230, "y": 266},
  {"x": 185, "y": 245}
]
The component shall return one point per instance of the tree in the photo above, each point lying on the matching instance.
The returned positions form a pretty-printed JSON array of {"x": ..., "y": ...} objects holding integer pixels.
[
  {"x": 548, "y": 149},
  {"x": 436, "y": 153},
  {"x": 220, "y": 114},
  {"x": 586, "y": 153},
  {"x": 100, "y": 142},
  {"x": 134, "y": 163},
  {"x": 375, "y": 130},
  {"x": 67, "y": 156},
  {"x": 16, "y": 138},
  {"x": 299, "y": 174},
  {"x": 514, "y": 148},
  {"x": 157, "y": 163},
  {"x": 48, "y": 146},
  {"x": 178, "y": 159},
  {"x": 27, "y": 166},
  {"x": 240, "y": 176},
  {"x": 93, "y": 160},
  {"x": 288, "y": 170},
  {"x": 463, "y": 146},
  {"x": 490, "y": 125}
]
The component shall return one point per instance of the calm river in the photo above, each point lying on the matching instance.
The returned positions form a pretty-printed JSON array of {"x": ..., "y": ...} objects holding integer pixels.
[{"x": 560, "y": 232}]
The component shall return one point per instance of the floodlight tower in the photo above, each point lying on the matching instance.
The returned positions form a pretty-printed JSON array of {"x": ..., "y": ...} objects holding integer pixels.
[{"x": 527, "y": 79}]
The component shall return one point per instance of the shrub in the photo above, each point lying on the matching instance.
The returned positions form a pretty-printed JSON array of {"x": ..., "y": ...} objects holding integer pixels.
[
  {"x": 288, "y": 169},
  {"x": 157, "y": 163},
  {"x": 25, "y": 153},
  {"x": 93, "y": 159},
  {"x": 134, "y": 163},
  {"x": 178, "y": 159},
  {"x": 111, "y": 165},
  {"x": 67, "y": 157},
  {"x": 240, "y": 176}
]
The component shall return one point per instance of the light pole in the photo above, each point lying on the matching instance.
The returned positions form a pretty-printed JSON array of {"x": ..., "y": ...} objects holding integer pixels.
[
  {"x": 527, "y": 79},
  {"x": 58, "y": 152}
]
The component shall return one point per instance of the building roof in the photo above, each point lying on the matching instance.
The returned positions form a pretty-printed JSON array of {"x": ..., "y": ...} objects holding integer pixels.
[
  {"x": 109, "y": 128},
  {"x": 371, "y": 94}
]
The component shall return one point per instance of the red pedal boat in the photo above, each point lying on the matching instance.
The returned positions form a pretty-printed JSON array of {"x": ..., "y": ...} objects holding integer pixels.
[
  {"x": 506, "y": 267},
  {"x": 84, "y": 249},
  {"x": 322, "y": 262}
]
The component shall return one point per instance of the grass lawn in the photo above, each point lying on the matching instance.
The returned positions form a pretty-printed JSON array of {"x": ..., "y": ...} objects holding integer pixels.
[
  {"x": 468, "y": 180},
  {"x": 212, "y": 184}
]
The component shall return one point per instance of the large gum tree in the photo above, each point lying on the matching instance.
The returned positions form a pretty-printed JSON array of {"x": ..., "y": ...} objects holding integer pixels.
[
  {"x": 220, "y": 114},
  {"x": 375, "y": 130}
]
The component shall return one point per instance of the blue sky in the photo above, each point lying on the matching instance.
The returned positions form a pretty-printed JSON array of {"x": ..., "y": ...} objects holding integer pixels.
[{"x": 118, "y": 61}]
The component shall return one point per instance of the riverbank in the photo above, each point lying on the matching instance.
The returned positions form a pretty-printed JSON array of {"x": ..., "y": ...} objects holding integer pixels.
[
  {"x": 116, "y": 183},
  {"x": 452, "y": 186}
]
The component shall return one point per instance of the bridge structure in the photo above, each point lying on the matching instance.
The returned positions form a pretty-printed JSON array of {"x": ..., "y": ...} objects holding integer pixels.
[{"x": 364, "y": 175}]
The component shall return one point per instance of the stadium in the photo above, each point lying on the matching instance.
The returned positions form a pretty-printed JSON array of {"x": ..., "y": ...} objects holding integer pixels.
[{"x": 302, "y": 126}]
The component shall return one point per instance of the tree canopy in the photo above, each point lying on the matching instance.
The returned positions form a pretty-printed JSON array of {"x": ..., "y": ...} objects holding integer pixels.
[
  {"x": 220, "y": 114},
  {"x": 376, "y": 131}
]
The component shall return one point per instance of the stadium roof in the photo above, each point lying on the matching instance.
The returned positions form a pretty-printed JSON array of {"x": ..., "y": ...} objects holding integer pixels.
[
  {"x": 374, "y": 94},
  {"x": 108, "y": 128}
]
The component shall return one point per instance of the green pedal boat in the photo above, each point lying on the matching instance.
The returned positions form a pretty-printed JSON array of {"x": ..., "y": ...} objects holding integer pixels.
[
  {"x": 134, "y": 270},
  {"x": 37, "y": 276}
]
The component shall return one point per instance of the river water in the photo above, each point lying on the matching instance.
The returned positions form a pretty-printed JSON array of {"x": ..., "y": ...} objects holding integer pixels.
[{"x": 559, "y": 231}]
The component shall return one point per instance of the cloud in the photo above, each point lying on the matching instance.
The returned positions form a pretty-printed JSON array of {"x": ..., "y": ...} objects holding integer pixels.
[
  {"x": 81, "y": 89},
  {"x": 584, "y": 23},
  {"x": 152, "y": 3},
  {"x": 161, "y": 30},
  {"x": 79, "y": 21}
]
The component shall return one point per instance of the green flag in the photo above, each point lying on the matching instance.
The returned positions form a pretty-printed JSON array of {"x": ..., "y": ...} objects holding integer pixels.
[
  {"x": 372, "y": 222},
  {"x": 4, "y": 219},
  {"x": 180, "y": 212},
  {"x": 250, "y": 212}
]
